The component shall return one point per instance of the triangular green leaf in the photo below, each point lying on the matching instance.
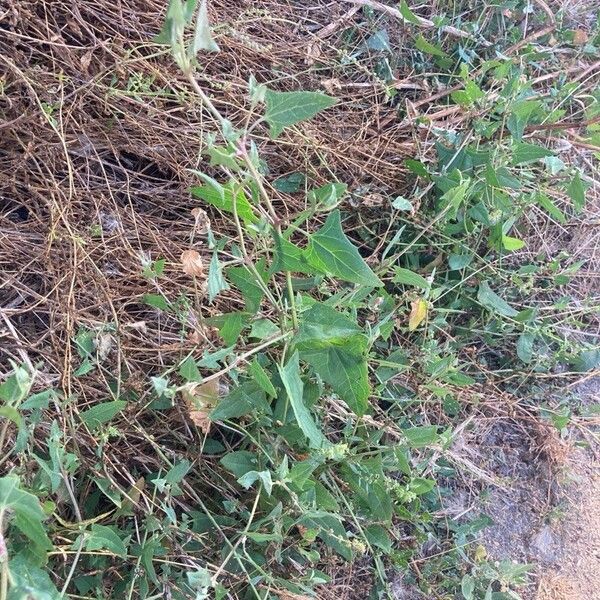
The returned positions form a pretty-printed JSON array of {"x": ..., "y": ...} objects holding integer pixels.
[
  {"x": 102, "y": 413},
  {"x": 331, "y": 252},
  {"x": 203, "y": 39},
  {"x": 336, "y": 349},
  {"x": 242, "y": 400},
  {"x": 25, "y": 511},
  {"x": 408, "y": 14},
  {"x": 287, "y": 108},
  {"x": 105, "y": 538},
  {"x": 407, "y": 277},
  {"x": 488, "y": 298},
  {"x": 576, "y": 192},
  {"x": 424, "y": 46},
  {"x": 523, "y": 153},
  {"x": 288, "y": 257}
]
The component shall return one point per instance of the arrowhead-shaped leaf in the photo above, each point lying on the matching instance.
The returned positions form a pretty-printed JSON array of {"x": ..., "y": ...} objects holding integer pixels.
[
  {"x": 287, "y": 108},
  {"x": 493, "y": 302},
  {"x": 336, "y": 349},
  {"x": 330, "y": 251}
]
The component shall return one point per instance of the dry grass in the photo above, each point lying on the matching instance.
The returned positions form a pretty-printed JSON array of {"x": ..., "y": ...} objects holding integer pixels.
[{"x": 98, "y": 133}]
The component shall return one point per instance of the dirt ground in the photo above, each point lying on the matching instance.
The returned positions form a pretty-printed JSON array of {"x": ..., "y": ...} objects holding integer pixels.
[{"x": 545, "y": 499}]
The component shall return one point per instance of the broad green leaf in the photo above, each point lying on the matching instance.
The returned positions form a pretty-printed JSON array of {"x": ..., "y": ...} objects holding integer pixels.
[
  {"x": 216, "y": 281},
  {"x": 290, "y": 184},
  {"x": 230, "y": 325},
  {"x": 424, "y": 46},
  {"x": 247, "y": 479},
  {"x": 224, "y": 156},
  {"x": 467, "y": 587},
  {"x": 189, "y": 370},
  {"x": 178, "y": 472},
  {"x": 242, "y": 400},
  {"x": 12, "y": 414},
  {"x": 240, "y": 462},
  {"x": 330, "y": 530},
  {"x": 102, "y": 537},
  {"x": 336, "y": 349},
  {"x": 17, "y": 386},
  {"x": 102, "y": 413},
  {"x": 576, "y": 192},
  {"x": 288, "y": 257},
  {"x": 248, "y": 283},
  {"x": 379, "y": 41},
  {"x": 417, "y": 167},
  {"x": 263, "y": 329},
  {"x": 322, "y": 325},
  {"x": 421, "y": 486},
  {"x": 408, "y": 14},
  {"x": 203, "y": 39},
  {"x": 378, "y": 536},
  {"x": 200, "y": 581},
  {"x": 494, "y": 303},
  {"x": 28, "y": 581},
  {"x": 290, "y": 377},
  {"x": 262, "y": 378},
  {"x": 501, "y": 178},
  {"x": 455, "y": 196},
  {"x": 511, "y": 243},
  {"x": 213, "y": 196},
  {"x": 407, "y": 277},
  {"x": 548, "y": 205},
  {"x": 300, "y": 473},
  {"x": 370, "y": 491},
  {"x": 156, "y": 301},
  {"x": 331, "y": 252},
  {"x": 288, "y": 108},
  {"x": 459, "y": 261},
  {"x": 520, "y": 115},
  {"x": 23, "y": 510},
  {"x": 525, "y": 347},
  {"x": 328, "y": 195},
  {"x": 471, "y": 93},
  {"x": 586, "y": 360},
  {"x": 179, "y": 14},
  {"x": 401, "y": 203},
  {"x": 523, "y": 153},
  {"x": 344, "y": 371},
  {"x": 420, "y": 437}
]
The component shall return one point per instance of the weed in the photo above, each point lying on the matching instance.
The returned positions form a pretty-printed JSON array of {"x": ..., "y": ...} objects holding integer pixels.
[{"x": 320, "y": 408}]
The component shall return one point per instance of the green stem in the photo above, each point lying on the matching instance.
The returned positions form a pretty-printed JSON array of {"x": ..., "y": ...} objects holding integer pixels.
[
  {"x": 256, "y": 176},
  {"x": 3, "y": 561}
]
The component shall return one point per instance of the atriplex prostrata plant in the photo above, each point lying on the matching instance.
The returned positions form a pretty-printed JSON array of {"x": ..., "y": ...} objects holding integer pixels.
[{"x": 312, "y": 401}]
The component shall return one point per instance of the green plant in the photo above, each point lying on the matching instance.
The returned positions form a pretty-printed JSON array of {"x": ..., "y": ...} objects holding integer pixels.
[{"x": 310, "y": 431}]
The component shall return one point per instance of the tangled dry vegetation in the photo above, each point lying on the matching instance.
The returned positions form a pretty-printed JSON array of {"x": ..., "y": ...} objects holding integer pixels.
[
  {"x": 102, "y": 129},
  {"x": 99, "y": 135}
]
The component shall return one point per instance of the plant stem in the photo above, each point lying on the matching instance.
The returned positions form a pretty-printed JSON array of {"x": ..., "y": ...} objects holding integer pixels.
[
  {"x": 3, "y": 562},
  {"x": 257, "y": 177}
]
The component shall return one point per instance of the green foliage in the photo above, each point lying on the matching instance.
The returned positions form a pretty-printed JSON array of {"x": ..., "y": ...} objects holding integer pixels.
[
  {"x": 290, "y": 377},
  {"x": 334, "y": 357},
  {"x": 330, "y": 251},
  {"x": 284, "y": 109}
]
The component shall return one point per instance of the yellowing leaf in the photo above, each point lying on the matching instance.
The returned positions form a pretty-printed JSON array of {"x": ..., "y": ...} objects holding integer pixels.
[
  {"x": 200, "y": 403},
  {"x": 191, "y": 263},
  {"x": 134, "y": 494},
  {"x": 418, "y": 313},
  {"x": 580, "y": 37}
]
